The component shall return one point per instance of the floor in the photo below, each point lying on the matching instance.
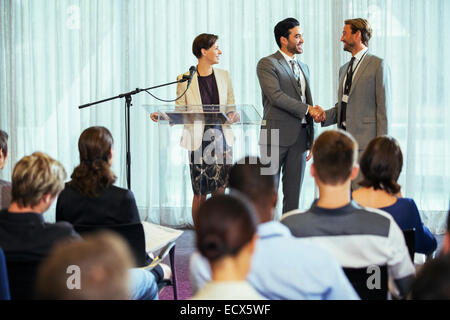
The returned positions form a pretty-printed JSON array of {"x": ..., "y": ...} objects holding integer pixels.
[{"x": 185, "y": 246}]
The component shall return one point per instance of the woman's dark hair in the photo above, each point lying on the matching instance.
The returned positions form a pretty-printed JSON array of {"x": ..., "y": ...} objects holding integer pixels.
[
  {"x": 203, "y": 41},
  {"x": 381, "y": 164},
  {"x": 224, "y": 225},
  {"x": 94, "y": 172},
  {"x": 282, "y": 29}
]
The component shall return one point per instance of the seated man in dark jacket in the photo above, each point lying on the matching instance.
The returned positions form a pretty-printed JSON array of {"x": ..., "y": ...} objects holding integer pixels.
[{"x": 27, "y": 239}]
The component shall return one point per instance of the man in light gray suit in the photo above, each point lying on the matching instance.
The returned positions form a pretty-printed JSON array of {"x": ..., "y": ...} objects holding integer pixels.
[
  {"x": 364, "y": 95},
  {"x": 287, "y": 102}
]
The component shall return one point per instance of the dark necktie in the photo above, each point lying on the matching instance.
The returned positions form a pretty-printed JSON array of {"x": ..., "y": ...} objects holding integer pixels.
[{"x": 347, "y": 87}]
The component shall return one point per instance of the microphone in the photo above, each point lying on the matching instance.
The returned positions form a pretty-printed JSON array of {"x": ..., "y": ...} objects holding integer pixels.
[{"x": 192, "y": 70}]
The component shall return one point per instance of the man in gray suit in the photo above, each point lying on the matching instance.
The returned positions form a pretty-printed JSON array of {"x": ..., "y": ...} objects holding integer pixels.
[
  {"x": 288, "y": 110},
  {"x": 364, "y": 96}
]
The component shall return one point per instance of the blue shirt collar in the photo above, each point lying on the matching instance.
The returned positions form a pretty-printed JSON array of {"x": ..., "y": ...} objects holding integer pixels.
[{"x": 272, "y": 229}]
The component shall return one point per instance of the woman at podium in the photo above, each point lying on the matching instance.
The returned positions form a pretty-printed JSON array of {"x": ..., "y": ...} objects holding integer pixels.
[{"x": 209, "y": 91}]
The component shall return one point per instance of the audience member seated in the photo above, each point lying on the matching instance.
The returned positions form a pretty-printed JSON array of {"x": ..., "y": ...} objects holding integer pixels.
[
  {"x": 24, "y": 235},
  {"x": 381, "y": 164},
  {"x": 226, "y": 236},
  {"x": 283, "y": 267},
  {"x": 433, "y": 278},
  {"x": 5, "y": 186},
  {"x": 93, "y": 269},
  {"x": 358, "y": 237},
  {"x": 90, "y": 198},
  {"x": 27, "y": 239}
]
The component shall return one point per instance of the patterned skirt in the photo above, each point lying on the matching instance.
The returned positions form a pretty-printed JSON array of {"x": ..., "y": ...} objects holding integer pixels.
[{"x": 210, "y": 173}]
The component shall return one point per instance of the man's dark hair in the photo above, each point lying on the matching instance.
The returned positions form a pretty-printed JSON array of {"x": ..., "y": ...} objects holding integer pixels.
[
  {"x": 203, "y": 41},
  {"x": 335, "y": 153},
  {"x": 282, "y": 29},
  {"x": 246, "y": 177},
  {"x": 363, "y": 26},
  {"x": 4, "y": 142},
  {"x": 433, "y": 280},
  {"x": 225, "y": 224},
  {"x": 381, "y": 164}
]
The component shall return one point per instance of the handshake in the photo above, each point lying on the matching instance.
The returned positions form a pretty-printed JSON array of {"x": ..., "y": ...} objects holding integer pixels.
[{"x": 317, "y": 113}]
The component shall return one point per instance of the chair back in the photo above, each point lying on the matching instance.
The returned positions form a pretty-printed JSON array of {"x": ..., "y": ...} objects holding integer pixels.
[
  {"x": 132, "y": 233},
  {"x": 22, "y": 278},
  {"x": 369, "y": 284},
  {"x": 410, "y": 239},
  {"x": 4, "y": 283}
]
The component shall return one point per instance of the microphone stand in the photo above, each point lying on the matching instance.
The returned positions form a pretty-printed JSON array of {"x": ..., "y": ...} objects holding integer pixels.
[{"x": 128, "y": 104}]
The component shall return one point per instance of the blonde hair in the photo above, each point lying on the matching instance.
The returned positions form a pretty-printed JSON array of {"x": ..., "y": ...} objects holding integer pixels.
[
  {"x": 363, "y": 26},
  {"x": 35, "y": 176},
  {"x": 103, "y": 259}
]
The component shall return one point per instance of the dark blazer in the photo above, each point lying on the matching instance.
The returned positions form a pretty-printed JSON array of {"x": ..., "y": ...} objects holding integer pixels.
[
  {"x": 281, "y": 98},
  {"x": 26, "y": 236},
  {"x": 113, "y": 206}
]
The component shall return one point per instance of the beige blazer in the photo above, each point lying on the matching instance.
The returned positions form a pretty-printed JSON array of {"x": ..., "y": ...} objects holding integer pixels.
[{"x": 193, "y": 134}]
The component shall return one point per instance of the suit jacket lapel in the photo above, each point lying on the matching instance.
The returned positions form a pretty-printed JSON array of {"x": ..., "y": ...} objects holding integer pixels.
[
  {"x": 363, "y": 65},
  {"x": 221, "y": 81},
  {"x": 289, "y": 71},
  {"x": 195, "y": 91},
  {"x": 307, "y": 89}
]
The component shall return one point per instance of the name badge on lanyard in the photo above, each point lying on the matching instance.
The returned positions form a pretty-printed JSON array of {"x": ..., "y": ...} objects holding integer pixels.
[{"x": 345, "y": 98}]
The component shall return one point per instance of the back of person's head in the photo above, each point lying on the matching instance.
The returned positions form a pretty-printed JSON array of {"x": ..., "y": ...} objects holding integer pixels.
[
  {"x": 3, "y": 142},
  {"x": 90, "y": 269},
  {"x": 94, "y": 172},
  {"x": 363, "y": 26},
  {"x": 203, "y": 41},
  {"x": 247, "y": 177},
  {"x": 433, "y": 280},
  {"x": 335, "y": 153},
  {"x": 35, "y": 176},
  {"x": 225, "y": 225},
  {"x": 381, "y": 164}
]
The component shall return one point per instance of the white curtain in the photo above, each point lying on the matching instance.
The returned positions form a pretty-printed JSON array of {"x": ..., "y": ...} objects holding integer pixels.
[{"x": 57, "y": 55}]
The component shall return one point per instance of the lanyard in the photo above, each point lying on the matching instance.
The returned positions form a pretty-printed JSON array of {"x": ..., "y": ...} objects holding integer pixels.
[{"x": 356, "y": 68}]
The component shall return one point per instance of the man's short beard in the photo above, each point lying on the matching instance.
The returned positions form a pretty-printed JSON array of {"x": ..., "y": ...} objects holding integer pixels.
[
  {"x": 294, "y": 50},
  {"x": 348, "y": 47}
]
